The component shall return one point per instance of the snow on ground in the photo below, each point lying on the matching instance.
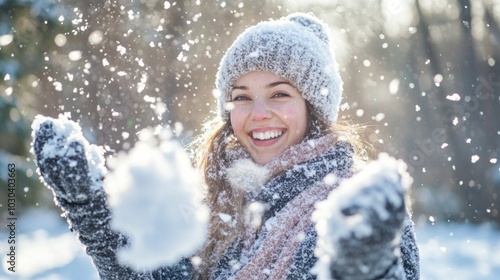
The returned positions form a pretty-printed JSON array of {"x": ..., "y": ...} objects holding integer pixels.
[
  {"x": 49, "y": 251},
  {"x": 459, "y": 251},
  {"x": 46, "y": 250}
]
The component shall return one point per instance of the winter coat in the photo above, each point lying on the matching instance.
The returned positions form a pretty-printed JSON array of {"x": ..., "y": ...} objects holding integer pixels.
[{"x": 290, "y": 187}]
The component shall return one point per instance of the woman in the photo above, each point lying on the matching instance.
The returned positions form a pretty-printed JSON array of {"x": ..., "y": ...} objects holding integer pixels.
[{"x": 274, "y": 150}]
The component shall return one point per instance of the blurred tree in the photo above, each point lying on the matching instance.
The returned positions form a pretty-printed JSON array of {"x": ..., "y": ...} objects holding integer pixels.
[
  {"x": 25, "y": 28},
  {"x": 463, "y": 106}
]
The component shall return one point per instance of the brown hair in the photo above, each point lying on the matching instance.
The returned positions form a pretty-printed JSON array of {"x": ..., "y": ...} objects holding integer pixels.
[
  {"x": 210, "y": 150},
  {"x": 344, "y": 129}
]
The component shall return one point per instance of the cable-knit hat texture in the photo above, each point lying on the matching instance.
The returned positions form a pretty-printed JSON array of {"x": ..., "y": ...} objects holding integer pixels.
[{"x": 296, "y": 48}]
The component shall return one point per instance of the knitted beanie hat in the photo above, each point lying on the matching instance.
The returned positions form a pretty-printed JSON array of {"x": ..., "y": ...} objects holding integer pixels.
[{"x": 295, "y": 48}]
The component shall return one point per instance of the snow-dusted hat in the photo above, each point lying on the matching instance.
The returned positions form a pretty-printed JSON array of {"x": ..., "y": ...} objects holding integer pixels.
[{"x": 296, "y": 48}]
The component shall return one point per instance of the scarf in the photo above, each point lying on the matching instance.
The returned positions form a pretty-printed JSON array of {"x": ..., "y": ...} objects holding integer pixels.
[{"x": 280, "y": 197}]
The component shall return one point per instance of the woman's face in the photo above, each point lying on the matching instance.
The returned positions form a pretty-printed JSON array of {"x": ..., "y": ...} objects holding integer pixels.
[{"x": 269, "y": 115}]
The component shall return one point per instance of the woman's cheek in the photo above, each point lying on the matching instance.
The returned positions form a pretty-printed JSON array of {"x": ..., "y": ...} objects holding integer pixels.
[
  {"x": 295, "y": 117},
  {"x": 288, "y": 113},
  {"x": 237, "y": 120}
]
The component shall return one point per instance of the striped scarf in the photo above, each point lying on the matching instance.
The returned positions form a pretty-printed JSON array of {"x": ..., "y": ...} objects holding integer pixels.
[{"x": 286, "y": 190}]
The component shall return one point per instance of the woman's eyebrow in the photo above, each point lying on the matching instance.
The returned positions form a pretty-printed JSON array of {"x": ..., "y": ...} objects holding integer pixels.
[
  {"x": 274, "y": 84},
  {"x": 239, "y": 87},
  {"x": 278, "y": 83}
]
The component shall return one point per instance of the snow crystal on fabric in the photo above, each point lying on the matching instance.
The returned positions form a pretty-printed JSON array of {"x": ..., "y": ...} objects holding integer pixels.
[{"x": 246, "y": 174}]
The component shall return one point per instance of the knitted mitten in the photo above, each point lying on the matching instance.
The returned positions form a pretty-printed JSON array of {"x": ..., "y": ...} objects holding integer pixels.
[
  {"x": 358, "y": 225},
  {"x": 70, "y": 167}
]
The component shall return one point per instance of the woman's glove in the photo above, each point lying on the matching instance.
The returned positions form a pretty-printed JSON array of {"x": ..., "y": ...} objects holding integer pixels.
[
  {"x": 71, "y": 167},
  {"x": 359, "y": 224}
]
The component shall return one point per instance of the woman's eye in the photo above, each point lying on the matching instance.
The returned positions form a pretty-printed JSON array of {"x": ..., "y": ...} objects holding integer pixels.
[
  {"x": 240, "y": 98},
  {"x": 281, "y": 94}
]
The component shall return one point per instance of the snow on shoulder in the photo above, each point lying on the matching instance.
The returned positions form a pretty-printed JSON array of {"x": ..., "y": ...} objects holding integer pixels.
[{"x": 155, "y": 197}]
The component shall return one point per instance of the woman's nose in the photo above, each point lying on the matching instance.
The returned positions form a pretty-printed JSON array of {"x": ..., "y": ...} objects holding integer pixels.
[{"x": 261, "y": 110}]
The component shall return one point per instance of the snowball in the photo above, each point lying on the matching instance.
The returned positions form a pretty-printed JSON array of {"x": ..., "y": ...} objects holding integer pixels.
[{"x": 155, "y": 199}]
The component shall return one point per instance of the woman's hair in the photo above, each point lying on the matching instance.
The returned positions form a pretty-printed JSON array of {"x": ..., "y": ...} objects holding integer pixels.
[
  {"x": 210, "y": 154},
  {"x": 209, "y": 158},
  {"x": 344, "y": 129}
]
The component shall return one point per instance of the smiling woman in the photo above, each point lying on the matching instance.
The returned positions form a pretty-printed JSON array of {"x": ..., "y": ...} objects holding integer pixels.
[
  {"x": 275, "y": 143},
  {"x": 288, "y": 195}
]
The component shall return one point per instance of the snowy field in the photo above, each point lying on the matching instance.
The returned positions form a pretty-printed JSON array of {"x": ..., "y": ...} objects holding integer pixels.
[{"x": 47, "y": 250}]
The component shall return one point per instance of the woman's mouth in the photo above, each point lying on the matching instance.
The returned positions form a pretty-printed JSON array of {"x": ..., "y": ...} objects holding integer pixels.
[
  {"x": 266, "y": 138},
  {"x": 266, "y": 135}
]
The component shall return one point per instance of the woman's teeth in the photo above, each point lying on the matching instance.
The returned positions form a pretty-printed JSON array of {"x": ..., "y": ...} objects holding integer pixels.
[{"x": 266, "y": 135}]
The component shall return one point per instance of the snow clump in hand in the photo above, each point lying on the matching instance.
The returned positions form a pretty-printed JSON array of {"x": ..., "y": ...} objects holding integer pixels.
[
  {"x": 365, "y": 209},
  {"x": 155, "y": 197}
]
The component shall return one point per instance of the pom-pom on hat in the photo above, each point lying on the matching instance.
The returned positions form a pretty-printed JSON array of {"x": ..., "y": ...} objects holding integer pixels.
[{"x": 296, "y": 48}]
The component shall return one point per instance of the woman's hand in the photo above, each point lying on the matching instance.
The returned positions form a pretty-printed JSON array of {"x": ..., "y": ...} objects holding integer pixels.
[
  {"x": 358, "y": 225},
  {"x": 63, "y": 155}
]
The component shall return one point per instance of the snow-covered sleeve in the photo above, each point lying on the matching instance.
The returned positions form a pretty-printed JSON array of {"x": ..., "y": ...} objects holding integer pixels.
[
  {"x": 364, "y": 231},
  {"x": 74, "y": 171},
  {"x": 409, "y": 250}
]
